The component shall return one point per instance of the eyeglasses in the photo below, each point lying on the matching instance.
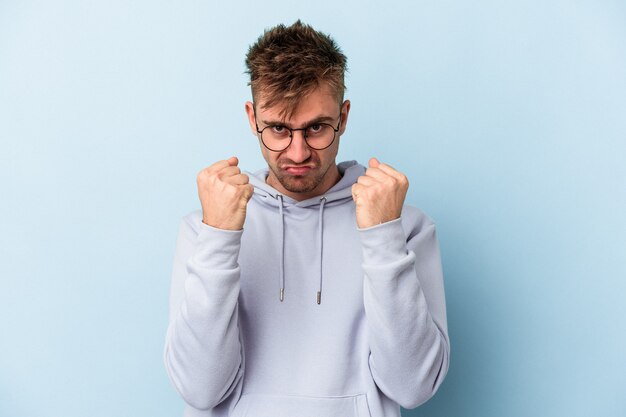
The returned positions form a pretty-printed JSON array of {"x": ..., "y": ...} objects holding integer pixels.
[{"x": 317, "y": 136}]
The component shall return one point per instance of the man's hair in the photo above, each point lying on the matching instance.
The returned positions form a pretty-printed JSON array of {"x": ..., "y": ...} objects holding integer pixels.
[{"x": 288, "y": 63}]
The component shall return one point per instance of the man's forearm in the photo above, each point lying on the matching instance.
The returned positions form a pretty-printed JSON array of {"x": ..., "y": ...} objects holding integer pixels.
[
  {"x": 203, "y": 352},
  {"x": 408, "y": 341}
]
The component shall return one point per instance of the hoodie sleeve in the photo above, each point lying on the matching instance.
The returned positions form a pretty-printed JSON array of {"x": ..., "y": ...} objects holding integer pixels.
[
  {"x": 405, "y": 309},
  {"x": 202, "y": 352}
]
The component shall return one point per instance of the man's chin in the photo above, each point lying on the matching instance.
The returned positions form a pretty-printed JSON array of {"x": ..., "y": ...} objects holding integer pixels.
[{"x": 299, "y": 183}]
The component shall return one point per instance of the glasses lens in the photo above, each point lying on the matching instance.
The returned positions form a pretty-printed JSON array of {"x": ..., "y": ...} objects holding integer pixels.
[
  {"x": 320, "y": 136},
  {"x": 276, "y": 138}
]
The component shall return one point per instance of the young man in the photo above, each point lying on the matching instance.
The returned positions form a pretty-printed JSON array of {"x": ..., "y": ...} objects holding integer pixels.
[{"x": 306, "y": 289}]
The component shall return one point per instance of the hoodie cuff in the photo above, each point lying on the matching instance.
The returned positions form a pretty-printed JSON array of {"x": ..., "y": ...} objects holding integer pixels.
[
  {"x": 217, "y": 248},
  {"x": 383, "y": 243}
]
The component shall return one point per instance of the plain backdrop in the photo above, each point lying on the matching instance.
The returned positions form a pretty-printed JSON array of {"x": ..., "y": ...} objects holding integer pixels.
[{"x": 509, "y": 118}]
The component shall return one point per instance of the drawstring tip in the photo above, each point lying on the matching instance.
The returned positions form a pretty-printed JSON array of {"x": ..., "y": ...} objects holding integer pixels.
[
  {"x": 282, "y": 294},
  {"x": 319, "y": 297}
]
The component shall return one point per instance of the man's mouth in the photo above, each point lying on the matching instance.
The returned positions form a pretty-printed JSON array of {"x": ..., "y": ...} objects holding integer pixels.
[{"x": 298, "y": 170}]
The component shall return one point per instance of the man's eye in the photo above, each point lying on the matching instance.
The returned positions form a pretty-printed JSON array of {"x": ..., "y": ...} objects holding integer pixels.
[{"x": 279, "y": 130}]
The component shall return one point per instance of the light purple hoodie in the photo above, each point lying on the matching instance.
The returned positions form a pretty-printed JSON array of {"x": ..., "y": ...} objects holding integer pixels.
[{"x": 302, "y": 314}]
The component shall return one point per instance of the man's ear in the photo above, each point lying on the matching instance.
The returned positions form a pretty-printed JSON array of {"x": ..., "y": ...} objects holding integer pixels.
[
  {"x": 345, "y": 109},
  {"x": 251, "y": 117}
]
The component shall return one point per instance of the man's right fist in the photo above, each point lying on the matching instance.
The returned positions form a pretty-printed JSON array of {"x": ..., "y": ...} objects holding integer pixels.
[{"x": 224, "y": 194}]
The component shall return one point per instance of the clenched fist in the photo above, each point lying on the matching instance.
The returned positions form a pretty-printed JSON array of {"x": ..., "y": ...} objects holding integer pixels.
[
  {"x": 224, "y": 194},
  {"x": 379, "y": 194}
]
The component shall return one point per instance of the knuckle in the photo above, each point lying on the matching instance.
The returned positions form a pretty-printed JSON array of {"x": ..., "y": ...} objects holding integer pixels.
[
  {"x": 202, "y": 177},
  {"x": 391, "y": 181},
  {"x": 229, "y": 191}
]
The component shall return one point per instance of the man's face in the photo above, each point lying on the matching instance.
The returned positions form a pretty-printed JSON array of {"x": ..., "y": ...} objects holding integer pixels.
[{"x": 299, "y": 171}]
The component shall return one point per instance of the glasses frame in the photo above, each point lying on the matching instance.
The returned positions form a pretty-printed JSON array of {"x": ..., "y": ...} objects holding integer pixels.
[{"x": 303, "y": 129}]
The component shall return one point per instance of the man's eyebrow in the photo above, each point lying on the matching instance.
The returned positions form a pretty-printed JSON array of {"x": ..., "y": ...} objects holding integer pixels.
[{"x": 319, "y": 119}]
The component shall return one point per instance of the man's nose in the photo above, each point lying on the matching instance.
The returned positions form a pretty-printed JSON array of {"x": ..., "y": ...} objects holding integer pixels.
[{"x": 298, "y": 151}]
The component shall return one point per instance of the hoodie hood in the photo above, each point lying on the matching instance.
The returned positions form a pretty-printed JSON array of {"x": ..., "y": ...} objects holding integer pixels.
[{"x": 340, "y": 193}]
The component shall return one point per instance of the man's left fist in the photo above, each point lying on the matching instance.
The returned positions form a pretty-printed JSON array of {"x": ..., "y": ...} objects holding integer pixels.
[{"x": 379, "y": 194}]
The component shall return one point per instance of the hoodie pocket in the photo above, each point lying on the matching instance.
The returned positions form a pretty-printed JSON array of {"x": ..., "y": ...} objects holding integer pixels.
[{"x": 256, "y": 405}]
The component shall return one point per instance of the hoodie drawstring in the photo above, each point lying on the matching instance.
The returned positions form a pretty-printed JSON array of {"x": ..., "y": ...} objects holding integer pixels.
[
  {"x": 320, "y": 237},
  {"x": 281, "y": 275},
  {"x": 321, "y": 246}
]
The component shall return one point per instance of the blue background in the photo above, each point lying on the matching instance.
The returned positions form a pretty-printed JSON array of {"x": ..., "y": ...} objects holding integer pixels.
[{"x": 508, "y": 117}]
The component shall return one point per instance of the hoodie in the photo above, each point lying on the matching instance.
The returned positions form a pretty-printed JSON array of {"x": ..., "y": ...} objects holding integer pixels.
[{"x": 303, "y": 314}]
